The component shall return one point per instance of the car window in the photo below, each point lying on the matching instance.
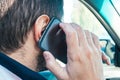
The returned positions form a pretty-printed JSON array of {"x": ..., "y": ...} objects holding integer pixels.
[
  {"x": 76, "y": 12},
  {"x": 110, "y": 11},
  {"x": 116, "y": 5},
  {"x": 82, "y": 16}
]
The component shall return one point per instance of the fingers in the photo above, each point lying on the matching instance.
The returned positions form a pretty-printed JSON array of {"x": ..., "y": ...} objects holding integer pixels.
[
  {"x": 96, "y": 41},
  {"x": 90, "y": 39},
  {"x": 105, "y": 58},
  {"x": 71, "y": 38},
  {"x": 53, "y": 66},
  {"x": 81, "y": 35},
  {"x": 82, "y": 54},
  {"x": 77, "y": 38},
  {"x": 71, "y": 35},
  {"x": 86, "y": 38}
]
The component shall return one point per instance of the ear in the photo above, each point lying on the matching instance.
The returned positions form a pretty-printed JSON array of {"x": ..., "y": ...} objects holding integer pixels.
[{"x": 40, "y": 25}]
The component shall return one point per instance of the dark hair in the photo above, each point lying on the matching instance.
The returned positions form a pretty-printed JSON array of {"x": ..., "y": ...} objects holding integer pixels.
[{"x": 18, "y": 20}]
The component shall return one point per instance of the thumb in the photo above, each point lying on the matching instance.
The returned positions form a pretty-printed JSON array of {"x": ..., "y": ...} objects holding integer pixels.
[{"x": 53, "y": 66}]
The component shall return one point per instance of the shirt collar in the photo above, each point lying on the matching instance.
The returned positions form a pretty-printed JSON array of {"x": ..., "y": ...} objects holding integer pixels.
[{"x": 20, "y": 70}]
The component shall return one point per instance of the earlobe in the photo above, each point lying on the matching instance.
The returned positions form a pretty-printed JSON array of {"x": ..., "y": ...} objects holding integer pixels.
[{"x": 39, "y": 25}]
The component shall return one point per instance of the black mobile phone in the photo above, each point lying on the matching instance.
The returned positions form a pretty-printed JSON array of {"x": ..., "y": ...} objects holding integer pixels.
[{"x": 53, "y": 40}]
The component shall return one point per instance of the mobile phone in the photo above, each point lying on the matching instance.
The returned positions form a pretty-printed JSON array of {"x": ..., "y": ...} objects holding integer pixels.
[{"x": 53, "y": 40}]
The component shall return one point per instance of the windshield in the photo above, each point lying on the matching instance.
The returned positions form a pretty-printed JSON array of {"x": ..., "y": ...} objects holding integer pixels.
[
  {"x": 75, "y": 11},
  {"x": 108, "y": 11},
  {"x": 116, "y": 5}
]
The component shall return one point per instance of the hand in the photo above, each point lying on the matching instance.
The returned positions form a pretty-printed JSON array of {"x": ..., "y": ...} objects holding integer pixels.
[
  {"x": 84, "y": 60},
  {"x": 106, "y": 59}
]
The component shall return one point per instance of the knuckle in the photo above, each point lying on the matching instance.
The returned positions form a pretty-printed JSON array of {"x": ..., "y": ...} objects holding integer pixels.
[
  {"x": 76, "y": 26},
  {"x": 86, "y": 31},
  {"x": 88, "y": 52},
  {"x": 76, "y": 59},
  {"x": 49, "y": 64},
  {"x": 76, "y": 56},
  {"x": 95, "y": 36},
  {"x": 72, "y": 33}
]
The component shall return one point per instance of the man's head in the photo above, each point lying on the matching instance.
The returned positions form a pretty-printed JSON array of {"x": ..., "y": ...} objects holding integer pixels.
[{"x": 22, "y": 22}]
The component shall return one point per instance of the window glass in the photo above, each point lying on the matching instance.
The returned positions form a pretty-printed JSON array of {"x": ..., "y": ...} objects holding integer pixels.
[
  {"x": 109, "y": 12},
  {"x": 78, "y": 13},
  {"x": 116, "y": 5}
]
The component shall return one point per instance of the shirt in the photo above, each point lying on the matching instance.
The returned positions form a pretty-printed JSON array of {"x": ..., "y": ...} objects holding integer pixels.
[
  {"x": 13, "y": 70},
  {"x": 5, "y": 74}
]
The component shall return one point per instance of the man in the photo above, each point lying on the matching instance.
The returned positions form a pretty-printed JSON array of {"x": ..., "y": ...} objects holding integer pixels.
[{"x": 21, "y": 25}]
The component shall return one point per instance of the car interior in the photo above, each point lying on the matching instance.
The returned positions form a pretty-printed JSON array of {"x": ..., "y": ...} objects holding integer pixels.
[{"x": 101, "y": 17}]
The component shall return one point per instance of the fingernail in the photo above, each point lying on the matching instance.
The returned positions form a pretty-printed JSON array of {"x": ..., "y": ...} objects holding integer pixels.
[
  {"x": 61, "y": 24},
  {"x": 109, "y": 62}
]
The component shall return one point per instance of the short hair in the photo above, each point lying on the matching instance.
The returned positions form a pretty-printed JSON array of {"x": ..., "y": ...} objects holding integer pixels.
[
  {"x": 4, "y": 5},
  {"x": 18, "y": 20}
]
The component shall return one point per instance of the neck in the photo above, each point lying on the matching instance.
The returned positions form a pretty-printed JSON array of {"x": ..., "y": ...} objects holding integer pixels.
[
  {"x": 27, "y": 55},
  {"x": 27, "y": 60}
]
